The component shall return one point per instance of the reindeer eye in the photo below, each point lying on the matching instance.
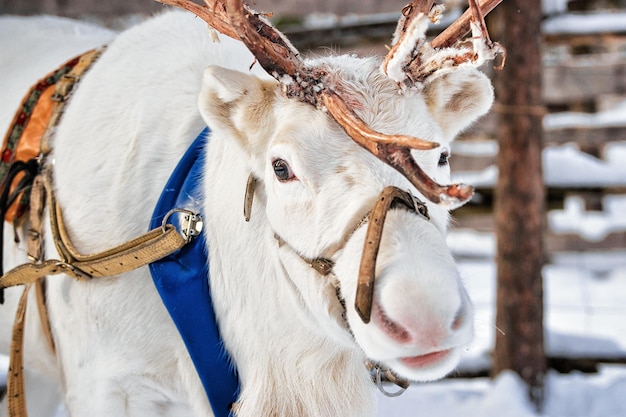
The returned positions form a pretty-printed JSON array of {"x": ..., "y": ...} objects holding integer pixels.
[
  {"x": 443, "y": 158},
  {"x": 282, "y": 170}
]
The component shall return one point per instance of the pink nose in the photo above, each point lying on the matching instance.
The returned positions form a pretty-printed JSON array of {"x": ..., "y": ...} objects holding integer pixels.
[{"x": 427, "y": 330}]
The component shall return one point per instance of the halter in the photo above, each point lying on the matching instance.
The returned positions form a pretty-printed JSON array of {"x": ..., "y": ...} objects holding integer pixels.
[{"x": 391, "y": 197}]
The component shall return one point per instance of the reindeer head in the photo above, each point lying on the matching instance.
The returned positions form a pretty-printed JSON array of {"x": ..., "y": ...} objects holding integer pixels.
[{"x": 314, "y": 138}]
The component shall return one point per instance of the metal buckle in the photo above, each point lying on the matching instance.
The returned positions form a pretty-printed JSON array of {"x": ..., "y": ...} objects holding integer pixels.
[
  {"x": 420, "y": 206},
  {"x": 72, "y": 270},
  {"x": 191, "y": 223}
]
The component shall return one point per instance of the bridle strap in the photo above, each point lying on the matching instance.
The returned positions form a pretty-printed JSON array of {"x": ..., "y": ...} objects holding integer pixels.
[
  {"x": 389, "y": 198},
  {"x": 323, "y": 265}
]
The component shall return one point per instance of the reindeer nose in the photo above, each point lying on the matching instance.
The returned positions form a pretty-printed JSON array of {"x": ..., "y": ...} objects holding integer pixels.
[{"x": 420, "y": 325}]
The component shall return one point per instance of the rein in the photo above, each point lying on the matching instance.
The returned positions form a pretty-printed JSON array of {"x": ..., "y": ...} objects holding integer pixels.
[{"x": 391, "y": 197}]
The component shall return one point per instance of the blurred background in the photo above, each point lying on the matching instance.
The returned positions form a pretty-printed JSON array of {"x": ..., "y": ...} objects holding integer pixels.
[{"x": 583, "y": 59}]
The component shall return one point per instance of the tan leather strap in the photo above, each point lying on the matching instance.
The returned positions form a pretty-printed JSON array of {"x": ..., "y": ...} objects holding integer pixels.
[
  {"x": 40, "y": 296},
  {"x": 143, "y": 250},
  {"x": 387, "y": 200},
  {"x": 34, "y": 236},
  {"x": 16, "y": 398},
  {"x": 150, "y": 247},
  {"x": 16, "y": 394}
]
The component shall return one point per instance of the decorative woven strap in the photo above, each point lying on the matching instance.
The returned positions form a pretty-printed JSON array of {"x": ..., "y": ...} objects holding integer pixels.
[{"x": 62, "y": 91}]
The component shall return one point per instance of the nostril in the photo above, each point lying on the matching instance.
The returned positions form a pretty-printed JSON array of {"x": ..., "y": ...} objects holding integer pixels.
[
  {"x": 458, "y": 319},
  {"x": 393, "y": 329}
]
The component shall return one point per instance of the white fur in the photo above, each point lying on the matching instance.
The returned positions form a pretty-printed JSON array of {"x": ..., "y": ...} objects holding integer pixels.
[{"x": 127, "y": 125}]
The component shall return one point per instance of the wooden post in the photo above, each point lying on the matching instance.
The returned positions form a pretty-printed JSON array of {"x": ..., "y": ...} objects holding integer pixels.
[{"x": 520, "y": 198}]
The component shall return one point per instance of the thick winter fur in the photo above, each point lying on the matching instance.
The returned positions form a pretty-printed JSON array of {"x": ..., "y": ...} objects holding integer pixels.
[{"x": 131, "y": 119}]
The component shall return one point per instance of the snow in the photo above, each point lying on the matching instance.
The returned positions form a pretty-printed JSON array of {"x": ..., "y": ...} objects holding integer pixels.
[
  {"x": 592, "y": 226},
  {"x": 613, "y": 117},
  {"x": 563, "y": 166},
  {"x": 4, "y": 364},
  {"x": 551, "y": 7},
  {"x": 585, "y": 24},
  {"x": 574, "y": 395}
]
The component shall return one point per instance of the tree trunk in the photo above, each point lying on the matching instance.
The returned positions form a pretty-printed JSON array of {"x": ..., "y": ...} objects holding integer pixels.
[{"x": 520, "y": 198}]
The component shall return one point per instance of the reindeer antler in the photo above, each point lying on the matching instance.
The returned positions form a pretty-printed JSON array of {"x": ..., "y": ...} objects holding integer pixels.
[{"x": 411, "y": 61}]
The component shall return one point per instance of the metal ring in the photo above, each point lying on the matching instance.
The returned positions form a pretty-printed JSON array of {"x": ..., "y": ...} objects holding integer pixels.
[
  {"x": 379, "y": 384},
  {"x": 171, "y": 213}
]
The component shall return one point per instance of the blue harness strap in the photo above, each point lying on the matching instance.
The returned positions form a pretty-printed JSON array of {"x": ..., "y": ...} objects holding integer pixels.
[{"x": 182, "y": 280}]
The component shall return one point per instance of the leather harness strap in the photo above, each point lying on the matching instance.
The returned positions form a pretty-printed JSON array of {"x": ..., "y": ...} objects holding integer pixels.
[
  {"x": 16, "y": 398},
  {"x": 141, "y": 251}
]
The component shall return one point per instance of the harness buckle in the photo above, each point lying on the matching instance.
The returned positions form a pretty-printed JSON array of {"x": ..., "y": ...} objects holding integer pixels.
[
  {"x": 191, "y": 223},
  {"x": 191, "y": 226},
  {"x": 322, "y": 265},
  {"x": 73, "y": 271},
  {"x": 420, "y": 207}
]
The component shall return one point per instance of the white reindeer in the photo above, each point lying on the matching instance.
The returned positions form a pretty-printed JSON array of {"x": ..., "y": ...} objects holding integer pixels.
[{"x": 294, "y": 335}]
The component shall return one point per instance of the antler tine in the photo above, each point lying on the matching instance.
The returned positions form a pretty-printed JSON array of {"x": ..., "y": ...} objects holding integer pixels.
[
  {"x": 395, "y": 151},
  {"x": 411, "y": 10},
  {"x": 362, "y": 134},
  {"x": 273, "y": 51},
  {"x": 408, "y": 39},
  {"x": 210, "y": 13},
  {"x": 412, "y": 61},
  {"x": 461, "y": 27}
]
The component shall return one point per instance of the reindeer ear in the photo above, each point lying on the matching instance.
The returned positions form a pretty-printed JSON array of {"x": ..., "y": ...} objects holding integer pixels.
[
  {"x": 225, "y": 85},
  {"x": 237, "y": 104},
  {"x": 458, "y": 98}
]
